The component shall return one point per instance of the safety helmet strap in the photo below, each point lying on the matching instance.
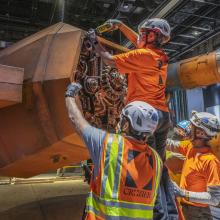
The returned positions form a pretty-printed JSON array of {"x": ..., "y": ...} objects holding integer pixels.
[
  {"x": 158, "y": 37},
  {"x": 195, "y": 135}
]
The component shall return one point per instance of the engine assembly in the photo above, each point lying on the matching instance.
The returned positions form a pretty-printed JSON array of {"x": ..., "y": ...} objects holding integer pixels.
[{"x": 104, "y": 89}]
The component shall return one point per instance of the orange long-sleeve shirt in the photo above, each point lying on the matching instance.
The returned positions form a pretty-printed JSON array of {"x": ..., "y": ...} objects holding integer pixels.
[
  {"x": 200, "y": 170},
  {"x": 146, "y": 76}
]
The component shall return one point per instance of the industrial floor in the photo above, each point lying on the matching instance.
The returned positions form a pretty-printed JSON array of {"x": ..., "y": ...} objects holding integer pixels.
[{"x": 43, "y": 199}]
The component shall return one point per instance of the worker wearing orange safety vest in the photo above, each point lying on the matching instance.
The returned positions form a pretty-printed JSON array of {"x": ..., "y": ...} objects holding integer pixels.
[{"x": 126, "y": 170}]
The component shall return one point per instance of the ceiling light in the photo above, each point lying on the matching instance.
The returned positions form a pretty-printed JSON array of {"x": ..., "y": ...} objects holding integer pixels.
[
  {"x": 196, "y": 33},
  {"x": 106, "y": 5}
]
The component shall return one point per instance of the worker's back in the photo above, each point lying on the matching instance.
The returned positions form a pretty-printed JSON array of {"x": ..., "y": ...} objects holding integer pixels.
[
  {"x": 147, "y": 74},
  {"x": 127, "y": 180}
]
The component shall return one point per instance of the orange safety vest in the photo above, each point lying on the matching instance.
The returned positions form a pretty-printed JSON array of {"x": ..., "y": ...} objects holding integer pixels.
[{"x": 127, "y": 183}]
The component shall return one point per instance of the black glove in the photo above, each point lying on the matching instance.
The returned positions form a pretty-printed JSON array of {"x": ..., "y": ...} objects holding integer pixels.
[
  {"x": 73, "y": 89},
  {"x": 91, "y": 35}
]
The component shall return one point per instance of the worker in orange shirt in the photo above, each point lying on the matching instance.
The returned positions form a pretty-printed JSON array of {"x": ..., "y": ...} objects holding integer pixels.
[
  {"x": 146, "y": 68},
  {"x": 174, "y": 161},
  {"x": 147, "y": 73},
  {"x": 200, "y": 180}
]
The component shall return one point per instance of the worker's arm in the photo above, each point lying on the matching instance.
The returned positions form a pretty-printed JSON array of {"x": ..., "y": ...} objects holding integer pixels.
[
  {"x": 171, "y": 154},
  {"x": 209, "y": 198},
  {"x": 172, "y": 145},
  {"x": 92, "y": 137},
  {"x": 103, "y": 53},
  {"x": 177, "y": 146},
  {"x": 128, "y": 32},
  {"x": 75, "y": 115}
]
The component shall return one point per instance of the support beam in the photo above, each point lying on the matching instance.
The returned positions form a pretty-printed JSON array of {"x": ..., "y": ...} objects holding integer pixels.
[{"x": 169, "y": 7}]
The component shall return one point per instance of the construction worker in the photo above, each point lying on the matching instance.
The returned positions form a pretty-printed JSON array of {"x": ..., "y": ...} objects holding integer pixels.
[
  {"x": 200, "y": 179},
  {"x": 146, "y": 68},
  {"x": 147, "y": 73},
  {"x": 174, "y": 161},
  {"x": 126, "y": 170},
  {"x": 182, "y": 130}
]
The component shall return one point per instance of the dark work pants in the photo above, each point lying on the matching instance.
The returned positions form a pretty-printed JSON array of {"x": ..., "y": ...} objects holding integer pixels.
[
  {"x": 165, "y": 206},
  {"x": 199, "y": 213},
  {"x": 158, "y": 140}
]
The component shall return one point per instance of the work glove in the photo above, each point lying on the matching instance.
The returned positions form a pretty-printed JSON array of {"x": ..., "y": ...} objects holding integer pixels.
[
  {"x": 73, "y": 89},
  {"x": 170, "y": 154},
  {"x": 114, "y": 22},
  {"x": 177, "y": 190},
  {"x": 91, "y": 35}
]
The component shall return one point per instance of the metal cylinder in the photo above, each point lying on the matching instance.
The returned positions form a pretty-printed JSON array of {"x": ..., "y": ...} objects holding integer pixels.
[{"x": 195, "y": 72}]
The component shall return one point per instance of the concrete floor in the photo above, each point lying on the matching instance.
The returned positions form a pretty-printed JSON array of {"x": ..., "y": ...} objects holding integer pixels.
[{"x": 55, "y": 200}]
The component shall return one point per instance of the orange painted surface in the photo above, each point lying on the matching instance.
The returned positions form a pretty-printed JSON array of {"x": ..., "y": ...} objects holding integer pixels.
[
  {"x": 36, "y": 135},
  {"x": 199, "y": 71},
  {"x": 35, "y": 138},
  {"x": 146, "y": 82},
  {"x": 11, "y": 81}
]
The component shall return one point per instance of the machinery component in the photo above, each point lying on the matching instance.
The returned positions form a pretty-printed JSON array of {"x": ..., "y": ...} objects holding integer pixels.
[
  {"x": 82, "y": 69},
  {"x": 195, "y": 72},
  {"x": 103, "y": 93},
  {"x": 91, "y": 84}
]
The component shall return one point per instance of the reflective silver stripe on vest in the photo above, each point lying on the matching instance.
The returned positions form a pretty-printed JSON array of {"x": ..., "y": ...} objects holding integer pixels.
[
  {"x": 118, "y": 167},
  {"x": 106, "y": 165},
  {"x": 93, "y": 210},
  {"x": 107, "y": 217},
  {"x": 121, "y": 203},
  {"x": 124, "y": 218}
]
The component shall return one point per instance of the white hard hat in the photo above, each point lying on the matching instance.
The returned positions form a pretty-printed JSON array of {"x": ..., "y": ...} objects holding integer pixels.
[
  {"x": 207, "y": 122},
  {"x": 142, "y": 116},
  {"x": 158, "y": 24}
]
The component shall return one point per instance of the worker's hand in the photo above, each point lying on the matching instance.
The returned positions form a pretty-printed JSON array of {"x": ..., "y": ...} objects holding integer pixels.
[
  {"x": 73, "y": 89},
  {"x": 170, "y": 154},
  {"x": 115, "y": 23},
  {"x": 177, "y": 190},
  {"x": 92, "y": 36}
]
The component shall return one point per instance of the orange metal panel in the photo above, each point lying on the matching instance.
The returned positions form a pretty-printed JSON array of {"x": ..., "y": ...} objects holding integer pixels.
[
  {"x": 11, "y": 80},
  {"x": 49, "y": 54},
  {"x": 36, "y": 135}
]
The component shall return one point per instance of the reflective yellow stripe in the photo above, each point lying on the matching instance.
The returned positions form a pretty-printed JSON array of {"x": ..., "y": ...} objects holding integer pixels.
[
  {"x": 105, "y": 165},
  {"x": 158, "y": 173},
  {"x": 123, "y": 204},
  {"x": 117, "y": 211},
  {"x": 122, "y": 159},
  {"x": 112, "y": 168}
]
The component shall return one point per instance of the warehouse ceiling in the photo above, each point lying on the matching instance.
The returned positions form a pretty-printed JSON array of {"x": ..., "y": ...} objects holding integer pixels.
[{"x": 193, "y": 22}]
